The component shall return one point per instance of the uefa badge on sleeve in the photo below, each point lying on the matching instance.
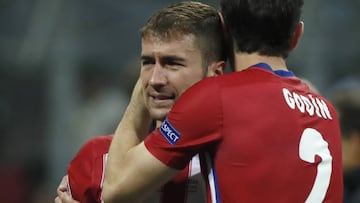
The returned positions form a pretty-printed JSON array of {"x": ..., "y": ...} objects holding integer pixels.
[{"x": 169, "y": 132}]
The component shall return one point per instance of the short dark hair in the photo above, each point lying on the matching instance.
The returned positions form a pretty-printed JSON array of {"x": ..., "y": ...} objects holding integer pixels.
[
  {"x": 262, "y": 26},
  {"x": 190, "y": 17}
]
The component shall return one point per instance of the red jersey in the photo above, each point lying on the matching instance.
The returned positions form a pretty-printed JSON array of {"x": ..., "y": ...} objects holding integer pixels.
[
  {"x": 265, "y": 137},
  {"x": 86, "y": 176}
]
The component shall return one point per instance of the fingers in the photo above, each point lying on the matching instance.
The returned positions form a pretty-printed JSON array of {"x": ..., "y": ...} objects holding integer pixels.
[
  {"x": 61, "y": 189},
  {"x": 64, "y": 197},
  {"x": 58, "y": 200},
  {"x": 63, "y": 184},
  {"x": 62, "y": 192}
]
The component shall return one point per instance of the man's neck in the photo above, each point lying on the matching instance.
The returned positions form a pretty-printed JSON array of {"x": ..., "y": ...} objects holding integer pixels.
[
  {"x": 158, "y": 123},
  {"x": 244, "y": 60}
]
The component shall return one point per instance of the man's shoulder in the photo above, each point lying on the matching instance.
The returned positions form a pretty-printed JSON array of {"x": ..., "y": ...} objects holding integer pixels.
[
  {"x": 89, "y": 156},
  {"x": 94, "y": 147},
  {"x": 86, "y": 169}
]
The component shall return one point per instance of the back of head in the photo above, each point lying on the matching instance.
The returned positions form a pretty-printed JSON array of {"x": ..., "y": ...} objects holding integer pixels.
[
  {"x": 265, "y": 27},
  {"x": 189, "y": 17}
]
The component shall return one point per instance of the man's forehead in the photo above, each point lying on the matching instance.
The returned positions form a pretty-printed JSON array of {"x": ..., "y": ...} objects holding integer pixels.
[
  {"x": 173, "y": 43},
  {"x": 169, "y": 37}
]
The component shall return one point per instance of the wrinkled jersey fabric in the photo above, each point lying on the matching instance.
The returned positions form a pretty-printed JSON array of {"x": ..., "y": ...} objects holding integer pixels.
[
  {"x": 263, "y": 136},
  {"x": 86, "y": 175}
]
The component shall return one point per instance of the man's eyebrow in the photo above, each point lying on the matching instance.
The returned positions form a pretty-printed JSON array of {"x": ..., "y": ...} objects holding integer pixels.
[
  {"x": 146, "y": 57},
  {"x": 164, "y": 58},
  {"x": 173, "y": 58}
]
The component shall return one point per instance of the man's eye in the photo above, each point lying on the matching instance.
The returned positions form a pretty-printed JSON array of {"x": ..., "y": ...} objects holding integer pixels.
[
  {"x": 146, "y": 62},
  {"x": 171, "y": 63},
  {"x": 174, "y": 63}
]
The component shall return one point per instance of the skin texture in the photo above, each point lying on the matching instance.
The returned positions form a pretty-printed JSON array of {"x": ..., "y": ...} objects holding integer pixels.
[
  {"x": 172, "y": 60},
  {"x": 163, "y": 69},
  {"x": 150, "y": 172},
  {"x": 168, "y": 68},
  {"x": 129, "y": 182},
  {"x": 122, "y": 183},
  {"x": 63, "y": 196},
  {"x": 169, "y": 61}
]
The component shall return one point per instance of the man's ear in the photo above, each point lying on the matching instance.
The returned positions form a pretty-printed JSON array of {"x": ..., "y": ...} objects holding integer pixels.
[
  {"x": 216, "y": 68},
  {"x": 299, "y": 30}
]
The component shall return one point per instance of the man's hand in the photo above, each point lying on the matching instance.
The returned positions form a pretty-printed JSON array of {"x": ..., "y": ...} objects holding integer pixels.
[
  {"x": 130, "y": 132},
  {"x": 63, "y": 195}
]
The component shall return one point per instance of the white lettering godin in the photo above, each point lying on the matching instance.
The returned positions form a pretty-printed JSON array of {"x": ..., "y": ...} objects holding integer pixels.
[
  {"x": 307, "y": 104},
  {"x": 171, "y": 135}
]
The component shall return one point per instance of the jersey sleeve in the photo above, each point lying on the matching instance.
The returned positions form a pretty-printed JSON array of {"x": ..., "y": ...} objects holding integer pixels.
[
  {"x": 86, "y": 170},
  {"x": 193, "y": 125}
]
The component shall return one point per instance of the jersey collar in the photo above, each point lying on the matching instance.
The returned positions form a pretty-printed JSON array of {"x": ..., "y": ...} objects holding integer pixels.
[{"x": 281, "y": 73}]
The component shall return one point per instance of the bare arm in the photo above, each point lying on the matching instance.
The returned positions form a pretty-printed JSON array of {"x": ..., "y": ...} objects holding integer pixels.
[{"x": 132, "y": 172}]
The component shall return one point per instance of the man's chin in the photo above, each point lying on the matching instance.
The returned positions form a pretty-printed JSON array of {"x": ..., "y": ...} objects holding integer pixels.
[{"x": 158, "y": 114}]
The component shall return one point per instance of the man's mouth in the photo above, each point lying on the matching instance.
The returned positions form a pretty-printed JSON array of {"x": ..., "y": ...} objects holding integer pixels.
[{"x": 161, "y": 100}]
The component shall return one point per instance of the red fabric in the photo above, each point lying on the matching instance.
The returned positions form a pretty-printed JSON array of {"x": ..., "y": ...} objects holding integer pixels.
[
  {"x": 253, "y": 135},
  {"x": 85, "y": 171}
]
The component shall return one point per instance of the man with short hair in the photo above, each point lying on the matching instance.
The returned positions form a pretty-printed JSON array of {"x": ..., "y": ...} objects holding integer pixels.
[
  {"x": 181, "y": 44},
  {"x": 262, "y": 134}
]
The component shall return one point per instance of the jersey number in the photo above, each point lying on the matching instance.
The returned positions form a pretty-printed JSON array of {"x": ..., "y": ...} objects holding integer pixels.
[{"x": 312, "y": 143}]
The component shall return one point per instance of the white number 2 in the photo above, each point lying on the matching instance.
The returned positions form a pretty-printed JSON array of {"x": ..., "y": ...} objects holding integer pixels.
[{"x": 311, "y": 144}]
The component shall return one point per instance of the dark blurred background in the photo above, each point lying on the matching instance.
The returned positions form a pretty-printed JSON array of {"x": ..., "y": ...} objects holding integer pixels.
[{"x": 67, "y": 68}]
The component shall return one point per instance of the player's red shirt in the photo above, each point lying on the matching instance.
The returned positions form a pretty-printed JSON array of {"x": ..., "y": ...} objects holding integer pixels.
[
  {"x": 86, "y": 176},
  {"x": 265, "y": 135}
]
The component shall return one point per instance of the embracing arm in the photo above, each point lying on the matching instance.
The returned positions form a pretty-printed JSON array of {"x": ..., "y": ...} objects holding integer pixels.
[
  {"x": 139, "y": 175},
  {"x": 132, "y": 172}
]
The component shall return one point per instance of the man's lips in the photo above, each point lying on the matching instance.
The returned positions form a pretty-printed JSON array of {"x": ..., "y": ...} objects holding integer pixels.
[{"x": 161, "y": 99}]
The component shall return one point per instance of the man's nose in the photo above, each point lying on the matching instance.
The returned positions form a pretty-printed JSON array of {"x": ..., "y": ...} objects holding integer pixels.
[{"x": 158, "y": 76}]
